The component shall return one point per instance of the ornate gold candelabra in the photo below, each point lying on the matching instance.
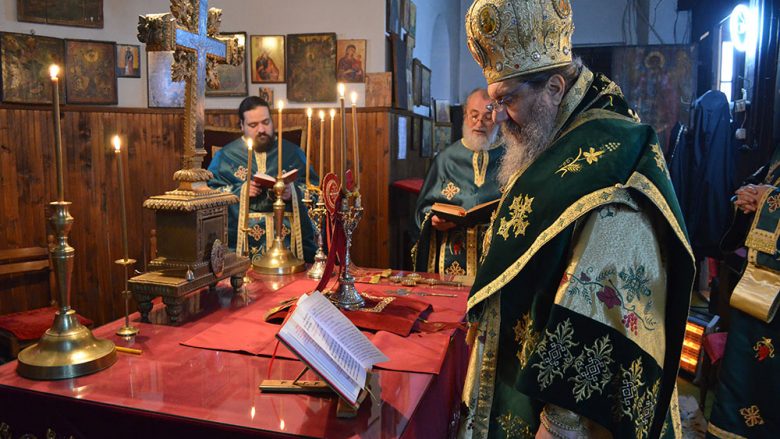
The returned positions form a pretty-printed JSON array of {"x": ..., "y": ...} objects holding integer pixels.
[
  {"x": 278, "y": 259},
  {"x": 348, "y": 296},
  {"x": 317, "y": 213}
]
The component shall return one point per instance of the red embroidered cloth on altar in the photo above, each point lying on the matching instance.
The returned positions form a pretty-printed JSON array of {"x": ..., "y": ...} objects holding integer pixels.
[
  {"x": 172, "y": 390},
  {"x": 248, "y": 332}
]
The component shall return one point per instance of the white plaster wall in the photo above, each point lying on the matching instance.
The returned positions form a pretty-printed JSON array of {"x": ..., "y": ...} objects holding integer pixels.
[
  {"x": 597, "y": 23},
  {"x": 358, "y": 19}
]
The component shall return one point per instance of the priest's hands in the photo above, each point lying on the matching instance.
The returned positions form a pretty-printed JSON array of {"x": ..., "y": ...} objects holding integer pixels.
[
  {"x": 254, "y": 188},
  {"x": 287, "y": 194},
  {"x": 440, "y": 224},
  {"x": 749, "y": 196}
]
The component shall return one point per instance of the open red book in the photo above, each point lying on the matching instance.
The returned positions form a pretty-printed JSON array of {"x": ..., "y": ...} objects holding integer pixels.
[
  {"x": 266, "y": 181},
  {"x": 479, "y": 214}
]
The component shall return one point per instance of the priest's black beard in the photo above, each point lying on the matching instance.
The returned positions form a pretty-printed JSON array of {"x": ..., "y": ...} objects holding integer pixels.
[
  {"x": 263, "y": 142},
  {"x": 524, "y": 144}
]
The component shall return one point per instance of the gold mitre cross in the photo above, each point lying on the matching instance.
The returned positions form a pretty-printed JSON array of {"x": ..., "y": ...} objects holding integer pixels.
[{"x": 191, "y": 31}]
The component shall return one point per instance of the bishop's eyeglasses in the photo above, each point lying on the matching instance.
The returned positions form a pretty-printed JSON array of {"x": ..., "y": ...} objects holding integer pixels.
[{"x": 503, "y": 102}]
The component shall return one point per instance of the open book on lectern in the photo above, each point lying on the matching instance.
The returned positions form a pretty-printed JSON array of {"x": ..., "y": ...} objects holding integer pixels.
[{"x": 330, "y": 344}]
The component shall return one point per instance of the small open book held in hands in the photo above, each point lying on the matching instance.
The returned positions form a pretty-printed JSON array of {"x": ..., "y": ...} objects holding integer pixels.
[
  {"x": 330, "y": 344},
  {"x": 267, "y": 181},
  {"x": 479, "y": 214}
]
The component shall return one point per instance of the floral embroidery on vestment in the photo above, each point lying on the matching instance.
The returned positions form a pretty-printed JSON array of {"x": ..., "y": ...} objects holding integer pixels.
[
  {"x": 514, "y": 426},
  {"x": 450, "y": 191},
  {"x": 773, "y": 202},
  {"x": 455, "y": 269},
  {"x": 526, "y": 338},
  {"x": 592, "y": 367},
  {"x": 590, "y": 156},
  {"x": 256, "y": 232},
  {"x": 240, "y": 173},
  {"x": 764, "y": 349},
  {"x": 555, "y": 352},
  {"x": 752, "y": 416}
]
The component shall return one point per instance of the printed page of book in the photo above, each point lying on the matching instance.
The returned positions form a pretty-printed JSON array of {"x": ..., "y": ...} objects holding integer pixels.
[
  {"x": 297, "y": 339},
  {"x": 335, "y": 333}
]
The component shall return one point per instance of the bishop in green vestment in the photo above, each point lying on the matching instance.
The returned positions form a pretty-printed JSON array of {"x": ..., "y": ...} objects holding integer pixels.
[
  {"x": 748, "y": 395},
  {"x": 464, "y": 174},
  {"x": 229, "y": 167},
  {"x": 579, "y": 306}
]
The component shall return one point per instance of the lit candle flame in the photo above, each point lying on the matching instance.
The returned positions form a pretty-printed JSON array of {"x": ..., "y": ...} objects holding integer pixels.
[
  {"x": 332, "y": 113},
  {"x": 117, "y": 143},
  {"x": 54, "y": 70},
  {"x": 280, "y": 104},
  {"x": 309, "y": 112},
  {"x": 249, "y": 143},
  {"x": 342, "y": 89},
  {"x": 353, "y": 96},
  {"x": 322, "y": 115}
]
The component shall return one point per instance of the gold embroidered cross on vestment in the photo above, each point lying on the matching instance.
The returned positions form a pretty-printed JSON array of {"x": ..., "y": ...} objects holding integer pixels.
[
  {"x": 450, "y": 190},
  {"x": 518, "y": 217}
]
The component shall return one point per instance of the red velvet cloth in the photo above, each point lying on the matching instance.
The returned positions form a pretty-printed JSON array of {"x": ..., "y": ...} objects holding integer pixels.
[
  {"x": 30, "y": 325},
  {"x": 248, "y": 332},
  {"x": 412, "y": 185},
  {"x": 383, "y": 312},
  {"x": 715, "y": 345}
]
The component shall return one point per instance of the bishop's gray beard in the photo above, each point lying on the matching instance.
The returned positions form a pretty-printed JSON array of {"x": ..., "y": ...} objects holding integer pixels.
[{"x": 524, "y": 144}]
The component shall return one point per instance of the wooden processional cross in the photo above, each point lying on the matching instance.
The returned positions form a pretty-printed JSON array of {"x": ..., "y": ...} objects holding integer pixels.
[{"x": 191, "y": 29}]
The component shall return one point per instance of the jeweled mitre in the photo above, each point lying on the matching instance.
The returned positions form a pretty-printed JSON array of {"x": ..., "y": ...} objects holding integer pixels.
[{"x": 510, "y": 38}]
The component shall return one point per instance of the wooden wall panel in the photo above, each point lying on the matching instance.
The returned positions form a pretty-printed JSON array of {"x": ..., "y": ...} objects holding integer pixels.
[{"x": 151, "y": 155}]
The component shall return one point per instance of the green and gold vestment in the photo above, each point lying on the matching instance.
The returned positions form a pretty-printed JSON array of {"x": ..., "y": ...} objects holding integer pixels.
[
  {"x": 748, "y": 395},
  {"x": 461, "y": 177},
  {"x": 581, "y": 300}
]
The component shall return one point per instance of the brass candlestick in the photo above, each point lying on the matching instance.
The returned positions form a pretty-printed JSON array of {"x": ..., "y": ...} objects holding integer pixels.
[
  {"x": 278, "y": 259},
  {"x": 347, "y": 296},
  {"x": 127, "y": 330},
  {"x": 67, "y": 349},
  {"x": 317, "y": 213}
]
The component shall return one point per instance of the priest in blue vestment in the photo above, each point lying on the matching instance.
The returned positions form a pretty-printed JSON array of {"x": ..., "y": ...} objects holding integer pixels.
[{"x": 229, "y": 167}]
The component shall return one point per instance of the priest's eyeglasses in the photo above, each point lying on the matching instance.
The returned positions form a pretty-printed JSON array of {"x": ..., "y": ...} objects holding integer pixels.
[{"x": 486, "y": 118}]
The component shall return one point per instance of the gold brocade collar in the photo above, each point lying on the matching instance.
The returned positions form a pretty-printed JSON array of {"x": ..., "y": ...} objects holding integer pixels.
[
  {"x": 480, "y": 169},
  {"x": 572, "y": 99}
]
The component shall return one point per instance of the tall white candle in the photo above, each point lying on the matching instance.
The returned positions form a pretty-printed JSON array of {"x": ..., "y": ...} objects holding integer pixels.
[{"x": 54, "y": 70}]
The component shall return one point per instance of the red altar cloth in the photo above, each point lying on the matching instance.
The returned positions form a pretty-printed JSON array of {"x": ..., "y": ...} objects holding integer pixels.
[
  {"x": 176, "y": 391},
  {"x": 247, "y": 331}
]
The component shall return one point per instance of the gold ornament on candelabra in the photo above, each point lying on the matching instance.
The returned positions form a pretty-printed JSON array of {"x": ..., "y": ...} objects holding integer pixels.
[
  {"x": 68, "y": 349},
  {"x": 317, "y": 213}
]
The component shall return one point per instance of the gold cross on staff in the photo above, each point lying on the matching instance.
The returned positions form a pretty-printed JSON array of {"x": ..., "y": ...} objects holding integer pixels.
[{"x": 191, "y": 29}]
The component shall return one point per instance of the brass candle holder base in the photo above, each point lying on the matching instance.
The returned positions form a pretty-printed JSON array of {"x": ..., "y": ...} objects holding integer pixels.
[
  {"x": 348, "y": 297},
  {"x": 278, "y": 259},
  {"x": 67, "y": 350},
  {"x": 317, "y": 270},
  {"x": 317, "y": 213}
]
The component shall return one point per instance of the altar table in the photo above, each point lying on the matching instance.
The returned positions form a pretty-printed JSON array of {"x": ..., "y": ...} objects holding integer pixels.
[{"x": 172, "y": 390}]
